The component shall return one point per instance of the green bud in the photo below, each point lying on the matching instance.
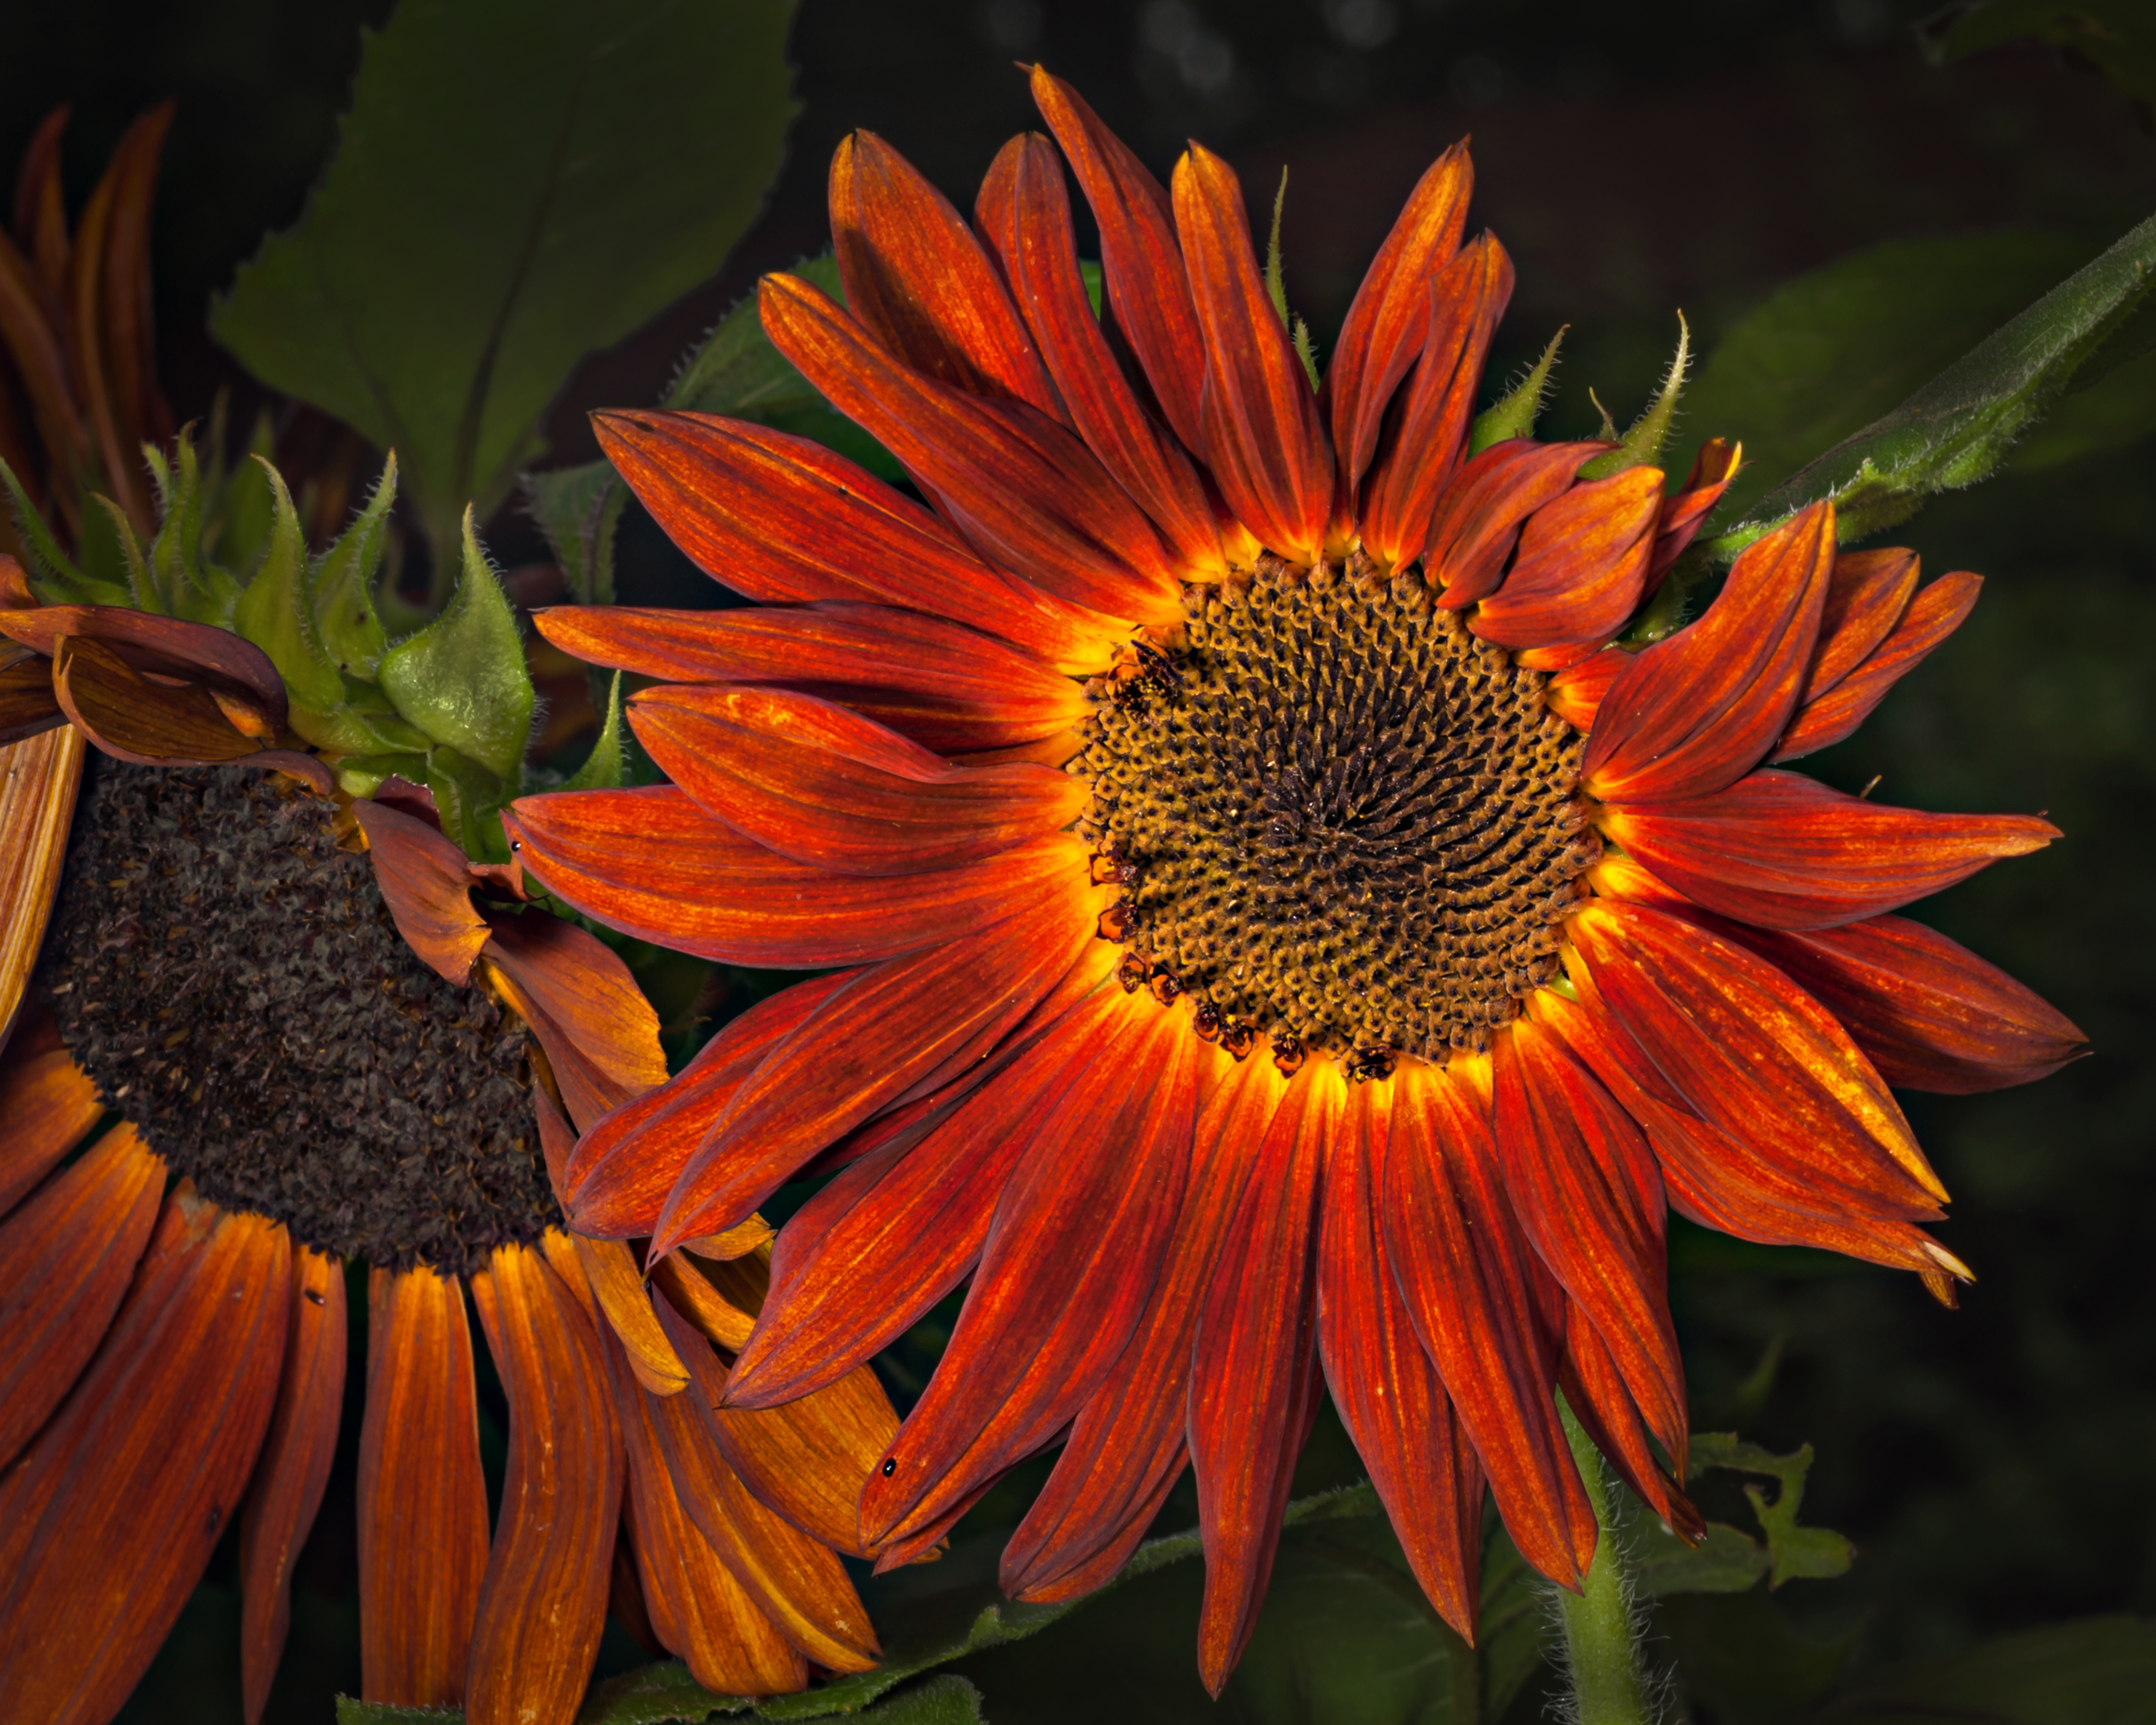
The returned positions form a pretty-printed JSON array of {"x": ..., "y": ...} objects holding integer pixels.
[{"x": 1515, "y": 414}]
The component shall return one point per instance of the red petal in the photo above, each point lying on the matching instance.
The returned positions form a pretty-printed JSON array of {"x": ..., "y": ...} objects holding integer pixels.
[
  {"x": 1022, "y": 488},
  {"x": 1253, "y": 1367},
  {"x": 1385, "y": 326},
  {"x": 65, "y": 1259},
  {"x": 427, "y": 882},
  {"x": 1575, "y": 693},
  {"x": 1685, "y": 510},
  {"x": 133, "y": 719},
  {"x": 422, "y": 1496},
  {"x": 944, "y": 685},
  {"x": 1582, "y": 561},
  {"x": 166, "y": 646},
  {"x": 1265, "y": 441},
  {"x": 1588, "y": 1195},
  {"x": 1930, "y": 1013},
  {"x": 918, "y": 280},
  {"x": 1389, "y": 1395},
  {"x": 38, "y": 779},
  {"x": 872, "y": 1040},
  {"x": 652, "y": 864},
  {"x": 1141, "y": 262},
  {"x": 1783, "y": 851},
  {"x": 819, "y": 783},
  {"x": 1692, "y": 713},
  {"x": 784, "y": 520},
  {"x": 623, "y": 1166},
  {"x": 48, "y": 1102},
  {"x": 1040, "y": 255},
  {"x": 1595, "y": 1390},
  {"x": 1112, "y": 1549},
  {"x": 1463, "y": 302},
  {"x": 1865, "y": 597},
  {"x": 1478, "y": 520},
  {"x": 600, "y": 1034},
  {"x": 109, "y": 1519},
  {"x": 295, "y": 1466},
  {"x": 1933, "y": 615}
]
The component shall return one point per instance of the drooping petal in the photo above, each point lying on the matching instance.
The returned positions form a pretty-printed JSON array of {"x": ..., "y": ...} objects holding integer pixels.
[
  {"x": 1466, "y": 300},
  {"x": 109, "y": 1519},
  {"x": 1254, "y": 1366},
  {"x": 616, "y": 1282},
  {"x": 46, "y": 1100},
  {"x": 1081, "y": 1227},
  {"x": 423, "y": 1536},
  {"x": 1780, "y": 851},
  {"x": 1389, "y": 1395},
  {"x": 600, "y": 1034},
  {"x": 1575, "y": 693},
  {"x": 918, "y": 281},
  {"x": 1580, "y": 569},
  {"x": 1685, "y": 510},
  {"x": 1692, "y": 713},
  {"x": 1026, "y": 493},
  {"x": 946, "y": 686},
  {"x": 815, "y": 782},
  {"x": 426, "y": 880},
  {"x": 1265, "y": 441},
  {"x": 38, "y": 778},
  {"x": 1933, "y": 615},
  {"x": 1866, "y": 596},
  {"x": 66, "y": 1258},
  {"x": 294, "y": 1468},
  {"x": 165, "y": 646},
  {"x": 1594, "y": 1388},
  {"x": 785, "y": 521},
  {"x": 1384, "y": 331},
  {"x": 1464, "y": 1273},
  {"x": 133, "y": 719},
  {"x": 1039, "y": 254},
  {"x": 1478, "y": 518},
  {"x": 27, "y": 706},
  {"x": 1141, "y": 266},
  {"x": 809, "y": 1460}
]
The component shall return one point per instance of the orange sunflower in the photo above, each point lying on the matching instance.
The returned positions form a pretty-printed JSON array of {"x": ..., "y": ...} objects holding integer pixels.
[
  {"x": 303, "y": 1061},
  {"x": 1278, "y": 938}
]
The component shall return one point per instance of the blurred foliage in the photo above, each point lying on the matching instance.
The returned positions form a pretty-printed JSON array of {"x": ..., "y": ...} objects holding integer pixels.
[{"x": 2116, "y": 38}]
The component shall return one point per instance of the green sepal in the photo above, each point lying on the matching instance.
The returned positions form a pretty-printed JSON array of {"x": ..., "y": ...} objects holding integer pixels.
[
  {"x": 55, "y": 577},
  {"x": 342, "y": 598},
  {"x": 199, "y": 590},
  {"x": 142, "y": 590},
  {"x": 1642, "y": 445},
  {"x": 363, "y": 775},
  {"x": 246, "y": 507},
  {"x": 1514, "y": 414},
  {"x": 462, "y": 680},
  {"x": 274, "y": 613},
  {"x": 603, "y": 769},
  {"x": 578, "y": 509},
  {"x": 469, "y": 797}
]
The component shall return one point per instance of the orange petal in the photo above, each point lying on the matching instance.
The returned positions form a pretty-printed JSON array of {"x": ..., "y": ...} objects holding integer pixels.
[
  {"x": 295, "y": 1467},
  {"x": 1575, "y": 693},
  {"x": 890, "y": 1026},
  {"x": 1026, "y": 493},
  {"x": 38, "y": 779},
  {"x": 809, "y": 1460},
  {"x": 818, "y": 784},
  {"x": 1685, "y": 510},
  {"x": 422, "y": 1539},
  {"x": 616, "y": 1280},
  {"x": 1464, "y": 1272},
  {"x": 1693, "y": 712},
  {"x": 600, "y": 1035},
  {"x": 1265, "y": 441},
  {"x": 65, "y": 1259},
  {"x": 1589, "y": 1196},
  {"x": 1040, "y": 255},
  {"x": 1463, "y": 303},
  {"x": 1387, "y": 324},
  {"x": 1582, "y": 561},
  {"x": 652, "y": 863},
  {"x": 426, "y": 881},
  {"x": 1253, "y": 1364},
  {"x": 1081, "y": 1226},
  {"x": 109, "y": 1519},
  {"x": 1106, "y": 1544},
  {"x": 1478, "y": 520},
  {"x": 1389, "y": 1395},
  {"x": 1783, "y": 851},
  {"x": 27, "y": 706},
  {"x": 1866, "y": 596},
  {"x": 918, "y": 280},
  {"x": 1140, "y": 263},
  {"x": 1933, "y": 615},
  {"x": 48, "y": 1102},
  {"x": 619, "y": 1174},
  {"x": 698, "y": 1610},
  {"x": 784, "y": 520},
  {"x": 133, "y": 719},
  {"x": 947, "y": 687},
  {"x": 1595, "y": 1390},
  {"x": 542, "y": 1606},
  {"x": 164, "y": 646},
  {"x": 724, "y": 1325}
]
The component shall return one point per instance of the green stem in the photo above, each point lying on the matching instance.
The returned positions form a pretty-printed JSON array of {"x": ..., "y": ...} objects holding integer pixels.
[{"x": 1600, "y": 1635}]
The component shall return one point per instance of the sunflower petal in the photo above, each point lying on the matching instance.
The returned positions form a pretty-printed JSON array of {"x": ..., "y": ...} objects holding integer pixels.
[
  {"x": 1575, "y": 693},
  {"x": 809, "y": 1460},
  {"x": 132, "y": 719},
  {"x": 1692, "y": 713},
  {"x": 109, "y": 1519},
  {"x": 918, "y": 281},
  {"x": 1866, "y": 596},
  {"x": 295, "y": 1467},
  {"x": 1685, "y": 510},
  {"x": 65, "y": 1259},
  {"x": 1933, "y": 615},
  {"x": 423, "y": 1537},
  {"x": 1478, "y": 518},
  {"x": 1780, "y": 851},
  {"x": 166, "y": 646},
  {"x": 27, "y": 706},
  {"x": 616, "y": 1282},
  {"x": 1107, "y": 1547},
  {"x": 1595, "y": 1391},
  {"x": 426, "y": 881},
  {"x": 1389, "y": 1395},
  {"x": 1582, "y": 564},
  {"x": 48, "y": 1102},
  {"x": 38, "y": 779}
]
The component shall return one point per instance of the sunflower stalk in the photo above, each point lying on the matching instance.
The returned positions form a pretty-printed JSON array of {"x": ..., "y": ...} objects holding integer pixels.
[{"x": 1601, "y": 1622}]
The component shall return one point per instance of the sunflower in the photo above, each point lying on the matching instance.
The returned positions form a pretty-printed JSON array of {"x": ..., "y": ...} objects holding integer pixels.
[
  {"x": 1277, "y": 939},
  {"x": 264, "y": 1022}
]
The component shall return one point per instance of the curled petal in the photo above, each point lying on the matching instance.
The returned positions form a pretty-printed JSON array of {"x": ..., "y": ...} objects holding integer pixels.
[
  {"x": 164, "y": 646},
  {"x": 1582, "y": 561},
  {"x": 426, "y": 881},
  {"x": 1575, "y": 693},
  {"x": 1478, "y": 520},
  {"x": 27, "y": 706},
  {"x": 132, "y": 719},
  {"x": 1866, "y": 596},
  {"x": 600, "y": 1034},
  {"x": 1685, "y": 510},
  {"x": 1933, "y": 615}
]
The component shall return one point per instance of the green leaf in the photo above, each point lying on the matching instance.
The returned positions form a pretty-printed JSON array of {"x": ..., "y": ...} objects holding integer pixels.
[
  {"x": 2115, "y": 37},
  {"x": 2101, "y": 1671},
  {"x": 1726, "y": 1562},
  {"x": 361, "y": 775},
  {"x": 518, "y": 182},
  {"x": 1792, "y": 1551},
  {"x": 189, "y": 587},
  {"x": 349, "y": 1711},
  {"x": 343, "y": 583},
  {"x": 1514, "y": 413},
  {"x": 462, "y": 680},
  {"x": 941, "y": 1701},
  {"x": 663, "y": 1694},
  {"x": 604, "y": 767},
  {"x": 578, "y": 509}
]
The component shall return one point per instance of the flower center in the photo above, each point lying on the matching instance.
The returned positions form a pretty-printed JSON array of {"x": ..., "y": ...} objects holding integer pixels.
[
  {"x": 1339, "y": 819},
  {"x": 233, "y": 982}
]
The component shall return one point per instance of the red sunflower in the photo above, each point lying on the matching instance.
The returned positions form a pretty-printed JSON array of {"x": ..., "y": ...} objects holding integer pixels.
[{"x": 1279, "y": 940}]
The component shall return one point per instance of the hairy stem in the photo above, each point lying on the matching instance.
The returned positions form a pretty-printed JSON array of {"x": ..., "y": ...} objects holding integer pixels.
[{"x": 1602, "y": 1654}]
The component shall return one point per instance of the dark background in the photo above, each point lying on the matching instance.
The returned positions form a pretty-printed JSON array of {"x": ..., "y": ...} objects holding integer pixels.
[{"x": 1992, "y": 1464}]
